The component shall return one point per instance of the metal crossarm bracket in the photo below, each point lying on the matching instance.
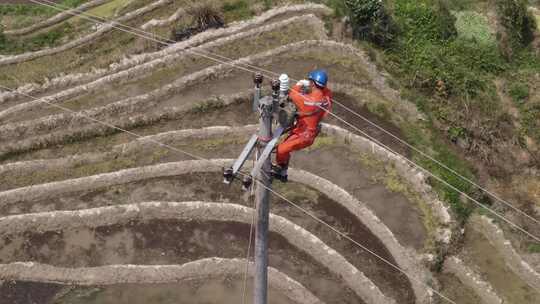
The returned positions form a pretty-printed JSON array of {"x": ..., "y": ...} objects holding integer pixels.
[
  {"x": 267, "y": 150},
  {"x": 230, "y": 173},
  {"x": 245, "y": 154}
]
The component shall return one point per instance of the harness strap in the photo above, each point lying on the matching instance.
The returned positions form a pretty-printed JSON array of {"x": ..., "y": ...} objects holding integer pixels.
[{"x": 319, "y": 104}]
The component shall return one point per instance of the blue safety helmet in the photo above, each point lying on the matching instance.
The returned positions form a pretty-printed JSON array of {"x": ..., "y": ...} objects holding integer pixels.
[{"x": 320, "y": 77}]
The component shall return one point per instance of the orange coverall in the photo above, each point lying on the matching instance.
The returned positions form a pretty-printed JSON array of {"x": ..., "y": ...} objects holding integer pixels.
[{"x": 310, "y": 115}]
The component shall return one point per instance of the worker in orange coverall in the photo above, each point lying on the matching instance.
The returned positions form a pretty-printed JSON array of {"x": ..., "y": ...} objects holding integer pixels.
[{"x": 313, "y": 100}]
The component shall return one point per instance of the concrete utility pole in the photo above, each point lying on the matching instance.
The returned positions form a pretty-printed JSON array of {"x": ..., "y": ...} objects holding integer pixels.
[
  {"x": 265, "y": 141},
  {"x": 262, "y": 198}
]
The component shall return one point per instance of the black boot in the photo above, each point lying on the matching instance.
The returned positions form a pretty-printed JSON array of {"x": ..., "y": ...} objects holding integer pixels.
[{"x": 280, "y": 173}]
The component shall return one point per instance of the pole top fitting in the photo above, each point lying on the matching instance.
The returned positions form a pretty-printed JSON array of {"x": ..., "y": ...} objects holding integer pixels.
[
  {"x": 284, "y": 83},
  {"x": 275, "y": 85},
  {"x": 258, "y": 78}
]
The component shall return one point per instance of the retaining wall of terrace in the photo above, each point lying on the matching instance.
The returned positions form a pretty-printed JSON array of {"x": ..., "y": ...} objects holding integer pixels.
[
  {"x": 405, "y": 258},
  {"x": 294, "y": 234},
  {"x": 56, "y": 18},
  {"x": 138, "y": 104},
  {"x": 102, "y": 30},
  {"x": 473, "y": 280},
  {"x": 164, "y": 22},
  {"x": 512, "y": 258},
  {"x": 203, "y": 269},
  {"x": 128, "y": 62},
  {"x": 143, "y": 69}
]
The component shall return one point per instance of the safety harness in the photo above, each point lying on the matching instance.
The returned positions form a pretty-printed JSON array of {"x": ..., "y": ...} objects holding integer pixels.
[{"x": 319, "y": 104}]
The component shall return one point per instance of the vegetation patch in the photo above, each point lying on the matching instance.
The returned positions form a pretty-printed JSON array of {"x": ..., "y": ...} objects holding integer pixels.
[
  {"x": 236, "y": 10},
  {"x": 21, "y": 15},
  {"x": 445, "y": 58},
  {"x": 471, "y": 25},
  {"x": 50, "y": 38},
  {"x": 518, "y": 23},
  {"x": 519, "y": 92},
  {"x": 109, "y": 9},
  {"x": 389, "y": 176},
  {"x": 33, "y": 9},
  {"x": 439, "y": 150},
  {"x": 371, "y": 21}
]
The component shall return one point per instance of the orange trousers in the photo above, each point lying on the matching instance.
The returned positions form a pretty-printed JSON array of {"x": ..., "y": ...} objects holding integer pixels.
[{"x": 295, "y": 141}]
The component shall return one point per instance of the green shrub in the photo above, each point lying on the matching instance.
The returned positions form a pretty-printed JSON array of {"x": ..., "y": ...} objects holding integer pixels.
[
  {"x": 519, "y": 25},
  {"x": 519, "y": 92},
  {"x": 430, "y": 52},
  {"x": 474, "y": 26},
  {"x": 371, "y": 21}
]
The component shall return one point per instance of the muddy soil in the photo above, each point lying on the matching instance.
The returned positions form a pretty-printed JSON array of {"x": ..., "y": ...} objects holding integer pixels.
[
  {"x": 490, "y": 264},
  {"x": 208, "y": 187},
  {"x": 224, "y": 291},
  {"x": 18, "y": 292},
  {"x": 163, "y": 242}
]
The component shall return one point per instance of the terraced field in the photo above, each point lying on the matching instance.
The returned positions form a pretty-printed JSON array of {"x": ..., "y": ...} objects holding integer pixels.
[{"x": 92, "y": 214}]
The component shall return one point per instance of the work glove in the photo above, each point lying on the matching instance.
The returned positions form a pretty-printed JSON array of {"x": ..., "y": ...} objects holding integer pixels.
[{"x": 305, "y": 85}]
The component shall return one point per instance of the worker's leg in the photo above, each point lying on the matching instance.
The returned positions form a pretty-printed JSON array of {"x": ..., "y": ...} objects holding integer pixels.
[{"x": 292, "y": 143}]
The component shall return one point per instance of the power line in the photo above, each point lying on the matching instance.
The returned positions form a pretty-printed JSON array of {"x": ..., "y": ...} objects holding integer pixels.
[
  {"x": 243, "y": 174},
  {"x": 169, "y": 42},
  {"x": 237, "y": 66},
  {"x": 435, "y": 176}
]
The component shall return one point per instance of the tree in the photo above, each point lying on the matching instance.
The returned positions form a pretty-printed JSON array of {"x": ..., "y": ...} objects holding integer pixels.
[
  {"x": 371, "y": 21},
  {"x": 517, "y": 23}
]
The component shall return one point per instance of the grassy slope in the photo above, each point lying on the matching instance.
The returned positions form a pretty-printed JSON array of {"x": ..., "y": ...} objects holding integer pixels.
[{"x": 451, "y": 78}]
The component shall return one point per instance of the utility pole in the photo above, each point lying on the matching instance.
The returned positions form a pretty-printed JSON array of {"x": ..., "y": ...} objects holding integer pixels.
[
  {"x": 268, "y": 108},
  {"x": 262, "y": 198}
]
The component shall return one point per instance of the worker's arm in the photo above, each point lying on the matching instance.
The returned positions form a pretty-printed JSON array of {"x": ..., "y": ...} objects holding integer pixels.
[
  {"x": 328, "y": 96},
  {"x": 295, "y": 94}
]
